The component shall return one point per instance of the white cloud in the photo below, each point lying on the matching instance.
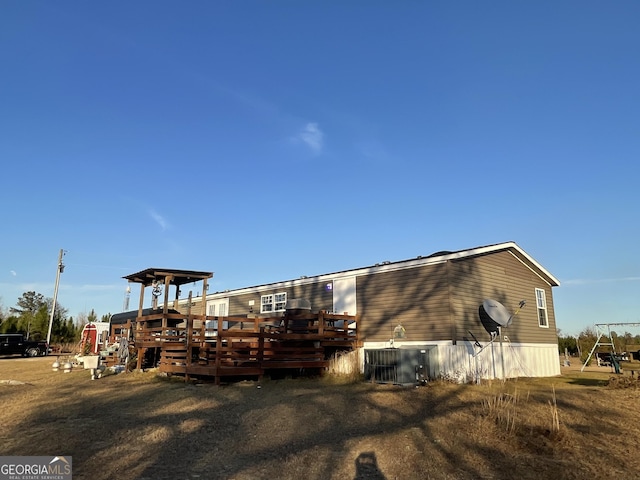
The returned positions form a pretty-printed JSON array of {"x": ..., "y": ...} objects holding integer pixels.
[
  {"x": 159, "y": 219},
  {"x": 13, "y": 273},
  {"x": 312, "y": 136}
]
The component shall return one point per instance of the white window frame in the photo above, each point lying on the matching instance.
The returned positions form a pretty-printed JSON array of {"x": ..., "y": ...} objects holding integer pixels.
[
  {"x": 217, "y": 309},
  {"x": 541, "y": 308},
  {"x": 273, "y": 302}
]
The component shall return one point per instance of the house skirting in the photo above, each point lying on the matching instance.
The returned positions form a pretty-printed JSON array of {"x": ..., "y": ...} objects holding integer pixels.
[{"x": 465, "y": 362}]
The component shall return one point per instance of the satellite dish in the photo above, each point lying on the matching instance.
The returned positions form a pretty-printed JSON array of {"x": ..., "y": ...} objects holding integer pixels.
[
  {"x": 497, "y": 312},
  {"x": 494, "y": 315},
  {"x": 490, "y": 325}
]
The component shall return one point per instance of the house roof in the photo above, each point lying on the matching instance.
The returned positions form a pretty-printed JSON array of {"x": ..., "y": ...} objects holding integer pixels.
[
  {"x": 124, "y": 317},
  {"x": 387, "y": 266},
  {"x": 179, "y": 277}
]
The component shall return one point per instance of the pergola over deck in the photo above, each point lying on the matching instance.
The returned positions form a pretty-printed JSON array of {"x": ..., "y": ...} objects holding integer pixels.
[
  {"x": 155, "y": 277},
  {"x": 164, "y": 276}
]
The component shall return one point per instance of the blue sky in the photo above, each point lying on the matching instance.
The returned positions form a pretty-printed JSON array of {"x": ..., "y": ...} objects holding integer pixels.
[{"x": 268, "y": 140}]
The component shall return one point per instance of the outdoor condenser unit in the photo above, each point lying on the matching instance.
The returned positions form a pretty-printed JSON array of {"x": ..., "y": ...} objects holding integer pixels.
[{"x": 401, "y": 366}]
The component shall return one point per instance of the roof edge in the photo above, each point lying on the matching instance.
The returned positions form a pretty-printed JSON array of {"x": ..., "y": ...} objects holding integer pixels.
[{"x": 399, "y": 265}]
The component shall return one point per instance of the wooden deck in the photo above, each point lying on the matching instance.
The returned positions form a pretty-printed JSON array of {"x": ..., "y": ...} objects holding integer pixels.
[{"x": 193, "y": 345}]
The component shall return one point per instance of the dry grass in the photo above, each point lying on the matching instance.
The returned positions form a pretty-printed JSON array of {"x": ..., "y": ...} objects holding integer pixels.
[
  {"x": 503, "y": 409},
  {"x": 623, "y": 381},
  {"x": 140, "y": 426}
]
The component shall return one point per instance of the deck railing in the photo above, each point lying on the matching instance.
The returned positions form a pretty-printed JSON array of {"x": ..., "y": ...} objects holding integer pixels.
[{"x": 218, "y": 346}]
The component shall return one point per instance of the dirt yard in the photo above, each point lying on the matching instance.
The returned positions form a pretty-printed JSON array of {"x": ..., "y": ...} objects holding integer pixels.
[{"x": 141, "y": 426}]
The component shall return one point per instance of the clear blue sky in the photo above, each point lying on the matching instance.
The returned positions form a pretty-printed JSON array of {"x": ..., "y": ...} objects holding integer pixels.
[{"x": 268, "y": 140}]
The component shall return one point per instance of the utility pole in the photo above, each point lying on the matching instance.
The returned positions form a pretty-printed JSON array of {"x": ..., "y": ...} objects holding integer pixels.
[{"x": 59, "y": 270}]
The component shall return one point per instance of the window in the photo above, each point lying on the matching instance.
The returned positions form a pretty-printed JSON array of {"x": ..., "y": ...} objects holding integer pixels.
[
  {"x": 541, "y": 302},
  {"x": 273, "y": 303},
  {"x": 218, "y": 308}
]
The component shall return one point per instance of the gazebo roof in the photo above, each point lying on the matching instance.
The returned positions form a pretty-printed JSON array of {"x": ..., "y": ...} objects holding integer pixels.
[{"x": 178, "y": 277}]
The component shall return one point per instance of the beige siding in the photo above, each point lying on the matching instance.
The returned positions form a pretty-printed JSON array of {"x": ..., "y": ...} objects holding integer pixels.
[
  {"x": 317, "y": 294},
  {"x": 196, "y": 306},
  {"x": 417, "y": 298},
  {"x": 502, "y": 277},
  {"x": 438, "y": 302},
  {"x": 442, "y": 301}
]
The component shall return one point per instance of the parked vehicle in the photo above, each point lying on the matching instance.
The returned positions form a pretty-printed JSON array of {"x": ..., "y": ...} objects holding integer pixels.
[
  {"x": 607, "y": 359},
  {"x": 16, "y": 344}
]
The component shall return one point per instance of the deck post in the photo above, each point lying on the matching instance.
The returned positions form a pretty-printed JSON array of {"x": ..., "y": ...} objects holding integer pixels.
[
  {"x": 260, "y": 356},
  {"x": 188, "y": 340},
  {"x": 205, "y": 287},
  {"x": 139, "y": 325},
  {"x": 218, "y": 352},
  {"x": 167, "y": 283},
  {"x": 203, "y": 336}
]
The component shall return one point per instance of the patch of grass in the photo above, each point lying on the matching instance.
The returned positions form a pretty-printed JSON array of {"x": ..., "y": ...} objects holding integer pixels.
[
  {"x": 524, "y": 417},
  {"x": 555, "y": 418},
  {"x": 344, "y": 367},
  {"x": 502, "y": 409},
  {"x": 138, "y": 425},
  {"x": 623, "y": 382}
]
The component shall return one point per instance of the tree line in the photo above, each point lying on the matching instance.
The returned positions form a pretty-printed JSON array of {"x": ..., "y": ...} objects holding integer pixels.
[{"x": 31, "y": 317}]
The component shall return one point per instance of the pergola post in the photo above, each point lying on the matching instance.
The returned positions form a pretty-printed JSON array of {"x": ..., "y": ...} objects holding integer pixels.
[{"x": 139, "y": 326}]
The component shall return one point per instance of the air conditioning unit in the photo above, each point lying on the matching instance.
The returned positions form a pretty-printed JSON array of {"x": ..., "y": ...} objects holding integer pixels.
[{"x": 407, "y": 365}]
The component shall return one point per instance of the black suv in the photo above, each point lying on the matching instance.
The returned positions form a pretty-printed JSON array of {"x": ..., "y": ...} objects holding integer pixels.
[{"x": 16, "y": 344}]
